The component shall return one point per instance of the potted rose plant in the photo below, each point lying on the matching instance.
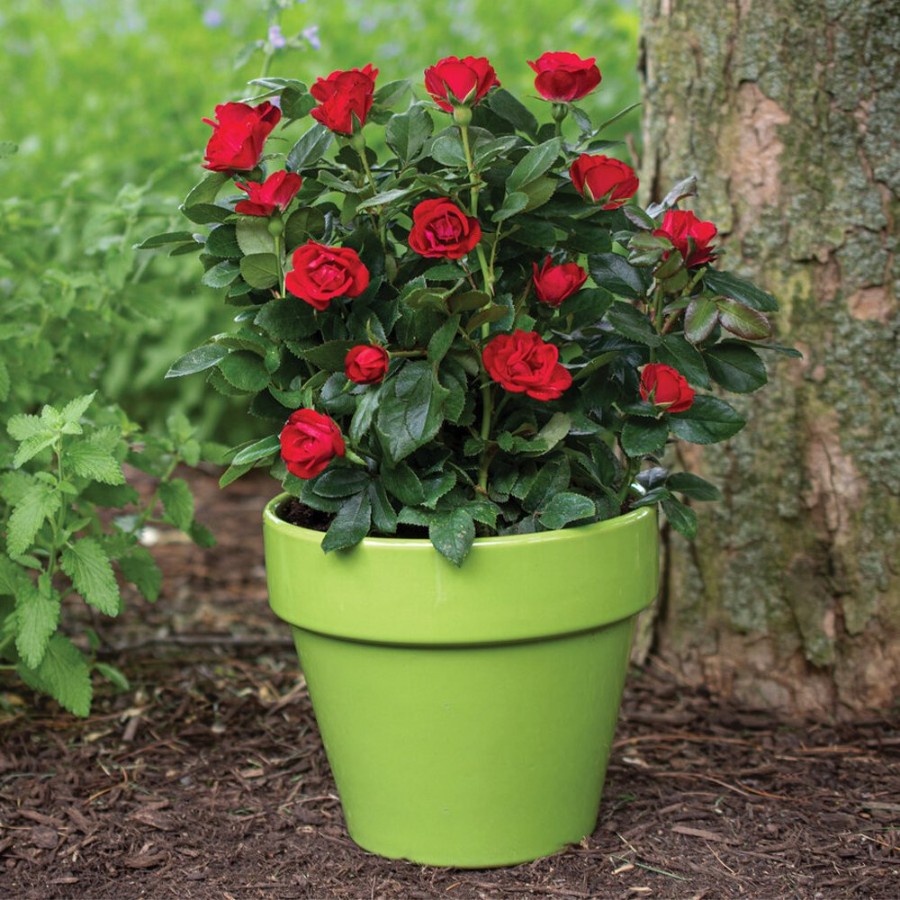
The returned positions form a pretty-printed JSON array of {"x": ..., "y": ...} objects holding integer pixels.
[{"x": 473, "y": 348}]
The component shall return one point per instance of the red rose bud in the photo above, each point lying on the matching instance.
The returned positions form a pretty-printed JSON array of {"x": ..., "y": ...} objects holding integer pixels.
[
  {"x": 345, "y": 98},
  {"x": 553, "y": 284},
  {"x": 309, "y": 441},
  {"x": 565, "y": 77},
  {"x": 603, "y": 178},
  {"x": 689, "y": 235},
  {"x": 667, "y": 387},
  {"x": 522, "y": 362},
  {"x": 441, "y": 230},
  {"x": 366, "y": 364},
  {"x": 460, "y": 82},
  {"x": 276, "y": 192},
  {"x": 322, "y": 273},
  {"x": 238, "y": 135}
]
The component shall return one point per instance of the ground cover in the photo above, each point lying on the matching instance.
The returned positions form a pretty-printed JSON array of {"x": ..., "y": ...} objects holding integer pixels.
[{"x": 207, "y": 778}]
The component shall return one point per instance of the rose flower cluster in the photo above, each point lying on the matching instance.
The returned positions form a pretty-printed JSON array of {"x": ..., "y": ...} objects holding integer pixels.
[{"x": 476, "y": 331}]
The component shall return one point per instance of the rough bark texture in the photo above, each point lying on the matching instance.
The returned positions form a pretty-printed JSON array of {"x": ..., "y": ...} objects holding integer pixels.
[{"x": 787, "y": 111}]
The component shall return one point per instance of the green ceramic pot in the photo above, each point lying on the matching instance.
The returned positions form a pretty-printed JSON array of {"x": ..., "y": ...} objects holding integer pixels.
[{"x": 467, "y": 713}]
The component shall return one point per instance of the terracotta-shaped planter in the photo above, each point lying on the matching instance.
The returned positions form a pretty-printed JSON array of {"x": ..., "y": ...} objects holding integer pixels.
[{"x": 467, "y": 713}]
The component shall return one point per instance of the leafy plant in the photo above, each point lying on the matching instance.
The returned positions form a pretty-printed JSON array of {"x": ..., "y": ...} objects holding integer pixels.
[
  {"x": 472, "y": 331},
  {"x": 66, "y": 468}
]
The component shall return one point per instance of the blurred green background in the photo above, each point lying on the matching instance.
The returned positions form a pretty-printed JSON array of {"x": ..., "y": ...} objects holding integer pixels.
[{"x": 104, "y": 99}]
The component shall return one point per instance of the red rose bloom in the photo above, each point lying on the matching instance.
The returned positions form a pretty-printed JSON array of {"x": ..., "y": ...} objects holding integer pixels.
[
  {"x": 689, "y": 235},
  {"x": 664, "y": 386},
  {"x": 366, "y": 364},
  {"x": 276, "y": 192},
  {"x": 238, "y": 135},
  {"x": 523, "y": 363},
  {"x": 464, "y": 80},
  {"x": 309, "y": 441},
  {"x": 565, "y": 77},
  {"x": 344, "y": 97},
  {"x": 322, "y": 273},
  {"x": 553, "y": 284},
  {"x": 604, "y": 178},
  {"x": 442, "y": 230}
]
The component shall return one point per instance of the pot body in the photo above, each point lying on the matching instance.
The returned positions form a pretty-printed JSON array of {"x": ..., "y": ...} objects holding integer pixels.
[{"x": 467, "y": 713}]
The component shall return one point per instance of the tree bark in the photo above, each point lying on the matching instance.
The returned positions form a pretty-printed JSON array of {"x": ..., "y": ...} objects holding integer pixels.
[{"x": 787, "y": 111}]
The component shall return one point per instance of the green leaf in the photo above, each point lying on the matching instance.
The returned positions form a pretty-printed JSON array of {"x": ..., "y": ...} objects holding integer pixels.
[
  {"x": 538, "y": 192},
  {"x": 682, "y": 518},
  {"x": 70, "y": 415},
  {"x": 533, "y": 164},
  {"x": 202, "y": 214},
  {"x": 161, "y": 240},
  {"x": 245, "y": 370},
  {"x": 447, "y": 150},
  {"x": 260, "y": 270},
  {"x": 693, "y": 486},
  {"x": 632, "y": 324},
  {"x": 554, "y": 476},
  {"x": 178, "y": 503},
  {"x": 708, "y": 421},
  {"x": 37, "y": 615},
  {"x": 139, "y": 567},
  {"x": 676, "y": 352},
  {"x": 564, "y": 508},
  {"x": 87, "y": 564},
  {"x": 616, "y": 274},
  {"x": 512, "y": 110},
  {"x": 513, "y": 203},
  {"x": 742, "y": 320},
  {"x": 330, "y": 355},
  {"x": 467, "y": 301},
  {"x": 350, "y": 525},
  {"x": 366, "y": 406},
  {"x": 384, "y": 517},
  {"x": 384, "y": 198},
  {"x": 260, "y": 449},
  {"x": 700, "y": 319},
  {"x": 197, "y": 360},
  {"x": 411, "y": 410},
  {"x": 222, "y": 274},
  {"x": 23, "y": 427},
  {"x": 63, "y": 674},
  {"x": 252, "y": 236},
  {"x": 730, "y": 285},
  {"x": 13, "y": 577},
  {"x": 403, "y": 483},
  {"x": 206, "y": 190},
  {"x": 736, "y": 367},
  {"x": 340, "y": 482},
  {"x": 310, "y": 148},
  {"x": 113, "y": 675},
  {"x": 93, "y": 458},
  {"x": 643, "y": 436},
  {"x": 442, "y": 339},
  {"x": 38, "y": 504},
  {"x": 222, "y": 241},
  {"x": 302, "y": 224},
  {"x": 453, "y": 534}
]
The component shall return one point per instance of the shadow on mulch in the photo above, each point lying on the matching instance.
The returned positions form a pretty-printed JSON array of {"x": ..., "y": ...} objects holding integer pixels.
[{"x": 207, "y": 779}]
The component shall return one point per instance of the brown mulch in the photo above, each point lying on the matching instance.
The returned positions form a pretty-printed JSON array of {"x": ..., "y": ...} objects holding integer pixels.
[{"x": 207, "y": 779}]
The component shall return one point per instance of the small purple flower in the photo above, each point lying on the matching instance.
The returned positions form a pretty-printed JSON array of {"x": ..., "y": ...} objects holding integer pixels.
[
  {"x": 212, "y": 18},
  {"x": 311, "y": 35},
  {"x": 276, "y": 38}
]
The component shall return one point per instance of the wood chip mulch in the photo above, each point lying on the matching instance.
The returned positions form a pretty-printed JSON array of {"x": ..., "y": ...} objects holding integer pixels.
[{"x": 207, "y": 778}]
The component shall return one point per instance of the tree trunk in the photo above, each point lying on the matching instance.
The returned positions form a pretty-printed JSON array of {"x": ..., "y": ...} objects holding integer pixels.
[{"x": 787, "y": 111}]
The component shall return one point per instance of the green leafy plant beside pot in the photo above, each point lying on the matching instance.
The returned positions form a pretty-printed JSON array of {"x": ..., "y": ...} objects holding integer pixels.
[{"x": 470, "y": 334}]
